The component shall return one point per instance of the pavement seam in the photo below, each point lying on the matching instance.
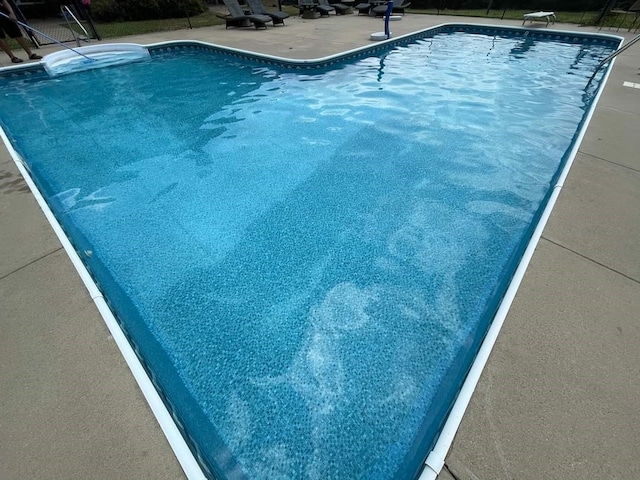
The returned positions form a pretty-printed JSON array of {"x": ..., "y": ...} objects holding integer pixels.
[
  {"x": 30, "y": 263},
  {"x": 595, "y": 157},
  {"x": 635, "y": 280},
  {"x": 453, "y": 475}
]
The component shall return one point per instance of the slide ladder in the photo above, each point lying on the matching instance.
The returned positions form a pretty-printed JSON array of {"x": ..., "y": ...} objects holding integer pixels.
[{"x": 70, "y": 18}]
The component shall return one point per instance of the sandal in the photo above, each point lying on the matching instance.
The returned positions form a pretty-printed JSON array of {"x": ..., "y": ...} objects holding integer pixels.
[
  {"x": 34, "y": 56},
  {"x": 16, "y": 60}
]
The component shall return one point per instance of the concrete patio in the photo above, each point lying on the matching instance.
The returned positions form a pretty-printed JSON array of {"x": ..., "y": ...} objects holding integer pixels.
[{"x": 557, "y": 399}]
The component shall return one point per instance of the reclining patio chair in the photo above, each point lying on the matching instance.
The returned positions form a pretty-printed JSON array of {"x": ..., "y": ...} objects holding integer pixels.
[
  {"x": 323, "y": 10},
  {"x": 238, "y": 18},
  {"x": 619, "y": 12},
  {"x": 398, "y": 7},
  {"x": 364, "y": 7},
  {"x": 258, "y": 8},
  {"x": 340, "y": 8}
]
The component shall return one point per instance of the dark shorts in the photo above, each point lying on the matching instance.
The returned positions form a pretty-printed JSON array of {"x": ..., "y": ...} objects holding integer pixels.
[{"x": 8, "y": 27}]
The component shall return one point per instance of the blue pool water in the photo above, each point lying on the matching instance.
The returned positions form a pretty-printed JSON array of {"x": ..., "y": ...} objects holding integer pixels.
[{"x": 307, "y": 259}]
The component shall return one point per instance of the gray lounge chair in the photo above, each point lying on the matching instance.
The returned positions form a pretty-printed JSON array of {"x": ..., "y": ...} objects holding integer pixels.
[
  {"x": 398, "y": 7},
  {"x": 258, "y": 8},
  {"x": 340, "y": 8},
  {"x": 323, "y": 10},
  {"x": 364, "y": 7},
  {"x": 238, "y": 18},
  {"x": 312, "y": 9}
]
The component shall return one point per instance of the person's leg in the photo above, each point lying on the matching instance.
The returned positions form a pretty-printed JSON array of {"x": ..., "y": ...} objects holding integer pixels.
[
  {"x": 11, "y": 29},
  {"x": 5, "y": 48},
  {"x": 25, "y": 46}
]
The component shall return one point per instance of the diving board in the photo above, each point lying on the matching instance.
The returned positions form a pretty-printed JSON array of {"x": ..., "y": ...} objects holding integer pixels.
[{"x": 547, "y": 16}]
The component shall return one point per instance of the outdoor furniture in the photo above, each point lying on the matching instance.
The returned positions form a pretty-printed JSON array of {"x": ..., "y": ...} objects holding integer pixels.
[
  {"x": 340, "y": 8},
  {"x": 324, "y": 9},
  {"x": 258, "y": 8},
  {"x": 238, "y": 18},
  {"x": 398, "y": 7},
  {"x": 309, "y": 9},
  {"x": 547, "y": 16},
  {"x": 365, "y": 7}
]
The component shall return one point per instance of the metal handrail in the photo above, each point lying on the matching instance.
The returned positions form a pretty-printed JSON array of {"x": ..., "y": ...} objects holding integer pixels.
[
  {"x": 29, "y": 28},
  {"x": 613, "y": 55},
  {"x": 66, "y": 11}
]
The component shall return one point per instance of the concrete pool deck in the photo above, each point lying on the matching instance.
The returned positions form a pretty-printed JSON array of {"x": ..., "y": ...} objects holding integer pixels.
[{"x": 557, "y": 399}]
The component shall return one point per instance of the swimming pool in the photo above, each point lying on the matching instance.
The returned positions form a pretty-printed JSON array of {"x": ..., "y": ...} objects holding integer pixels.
[{"x": 354, "y": 296}]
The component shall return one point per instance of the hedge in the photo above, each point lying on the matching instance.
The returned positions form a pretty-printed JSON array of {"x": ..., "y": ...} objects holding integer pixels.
[{"x": 132, "y": 10}]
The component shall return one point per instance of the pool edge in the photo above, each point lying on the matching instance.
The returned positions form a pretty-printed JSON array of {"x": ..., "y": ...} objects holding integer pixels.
[
  {"x": 183, "y": 453},
  {"x": 436, "y": 458}
]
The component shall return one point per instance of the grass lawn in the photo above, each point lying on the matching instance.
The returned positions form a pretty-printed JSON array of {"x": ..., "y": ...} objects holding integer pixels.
[
  {"x": 207, "y": 19},
  {"x": 577, "y": 18},
  {"x": 122, "y": 29}
]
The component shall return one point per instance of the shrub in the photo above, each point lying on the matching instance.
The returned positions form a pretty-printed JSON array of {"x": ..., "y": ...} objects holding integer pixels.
[
  {"x": 133, "y": 10},
  {"x": 532, "y": 5}
]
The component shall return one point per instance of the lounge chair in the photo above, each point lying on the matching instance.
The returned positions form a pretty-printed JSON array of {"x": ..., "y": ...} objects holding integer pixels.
[
  {"x": 365, "y": 7},
  {"x": 398, "y": 7},
  {"x": 258, "y": 8},
  {"x": 323, "y": 10},
  {"x": 238, "y": 18},
  {"x": 340, "y": 8}
]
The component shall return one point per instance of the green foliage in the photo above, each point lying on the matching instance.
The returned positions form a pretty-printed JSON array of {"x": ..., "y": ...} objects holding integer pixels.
[
  {"x": 530, "y": 5},
  {"x": 577, "y": 18},
  {"x": 136, "y": 10},
  {"x": 140, "y": 27}
]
